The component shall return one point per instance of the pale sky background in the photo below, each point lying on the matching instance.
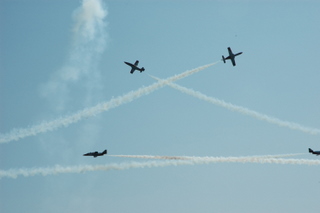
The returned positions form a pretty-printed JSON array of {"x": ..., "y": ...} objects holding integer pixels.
[{"x": 58, "y": 57}]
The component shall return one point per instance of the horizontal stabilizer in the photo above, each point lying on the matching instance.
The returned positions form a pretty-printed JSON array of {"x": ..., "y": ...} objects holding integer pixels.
[{"x": 223, "y": 59}]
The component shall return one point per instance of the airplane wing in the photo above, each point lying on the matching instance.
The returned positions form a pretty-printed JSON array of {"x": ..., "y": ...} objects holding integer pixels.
[
  {"x": 233, "y": 62},
  {"x": 230, "y": 51},
  {"x": 136, "y": 63},
  {"x": 132, "y": 70}
]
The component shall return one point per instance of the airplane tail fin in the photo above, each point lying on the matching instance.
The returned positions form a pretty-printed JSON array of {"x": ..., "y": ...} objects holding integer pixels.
[
  {"x": 142, "y": 69},
  {"x": 223, "y": 59},
  {"x": 104, "y": 152},
  {"x": 310, "y": 150}
]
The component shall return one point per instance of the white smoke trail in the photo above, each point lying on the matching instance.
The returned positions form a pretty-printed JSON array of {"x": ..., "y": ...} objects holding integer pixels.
[
  {"x": 194, "y": 157},
  {"x": 14, "y": 173},
  {"x": 154, "y": 157},
  {"x": 243, "y": 110},
  {"x": 65, "y": 121},
  {"x": 78, "y": 83},
  {"x": 89, "y": 42},
  {"x": 89, "y": 21}
]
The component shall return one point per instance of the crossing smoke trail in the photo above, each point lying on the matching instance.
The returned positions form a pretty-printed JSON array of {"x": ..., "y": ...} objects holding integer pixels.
[
  {"x": 14, "y": 173},
  {"x": 243, "y": 110},
  {"x": 17, "y": 134}
]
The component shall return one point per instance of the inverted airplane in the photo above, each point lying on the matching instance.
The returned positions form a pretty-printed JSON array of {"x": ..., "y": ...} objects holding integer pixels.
[
  {"x": 231, "y": 57},
  {"x": 96, "y": 154},
  {"x": 314, "y": 152},
  {"x": 134, "y": 67}
]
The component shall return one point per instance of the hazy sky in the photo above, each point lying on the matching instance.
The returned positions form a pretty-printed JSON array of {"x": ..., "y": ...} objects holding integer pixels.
[{"x": 58, "y": 58}]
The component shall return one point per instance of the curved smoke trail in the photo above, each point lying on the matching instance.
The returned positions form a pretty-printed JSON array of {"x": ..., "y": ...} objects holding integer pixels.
[
  {"x": 243, "y": 110},
  {"x": 65, "y": 121},
  {"x": 172, "y": 161}
]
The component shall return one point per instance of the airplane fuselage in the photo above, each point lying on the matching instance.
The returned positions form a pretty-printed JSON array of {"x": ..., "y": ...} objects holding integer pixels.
[
  {"x": 131, "y": 65},
  {"x": 231, "y": 57},
  {"x": 314, "y": 152},
  {"x": 134, "y": 67},
  {"x": 96, "y": 154}
]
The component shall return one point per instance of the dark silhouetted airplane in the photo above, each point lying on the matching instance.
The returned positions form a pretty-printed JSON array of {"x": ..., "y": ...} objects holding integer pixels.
[
  {"x": 231, "y": 57},
  {"x": 314, "y": 152},
  {"x": 95, "y": 154},
  {"x": 134, "y": 67}
]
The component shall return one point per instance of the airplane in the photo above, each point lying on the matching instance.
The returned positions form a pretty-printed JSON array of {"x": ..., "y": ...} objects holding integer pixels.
[
  {"x": 95, "y": 154},
  {"x": 314, "y": 152},
  {"x": 134, "y": 67},
  {"x": 231, "y": 57}
]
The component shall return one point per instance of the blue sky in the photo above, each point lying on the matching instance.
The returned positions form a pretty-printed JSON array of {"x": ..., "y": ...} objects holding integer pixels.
[{"x": 59, "y": 57}]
